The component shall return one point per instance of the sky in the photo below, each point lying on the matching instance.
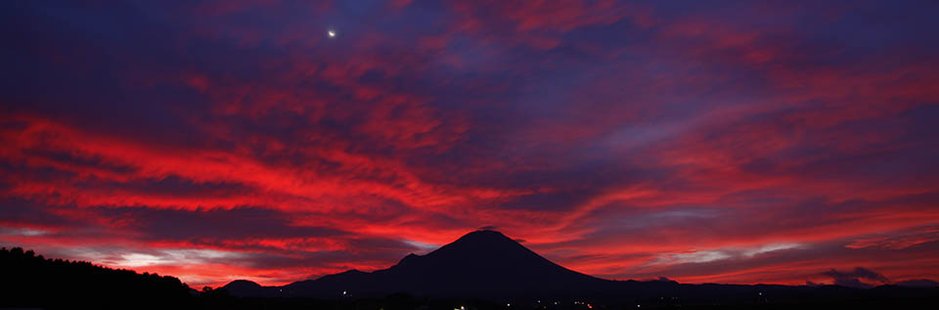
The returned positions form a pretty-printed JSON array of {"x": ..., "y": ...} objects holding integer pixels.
[{"x": 704, "y": 141}]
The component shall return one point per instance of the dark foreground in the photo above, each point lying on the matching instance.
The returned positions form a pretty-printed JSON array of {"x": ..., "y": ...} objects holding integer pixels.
[{"x": 32, "y": 281}]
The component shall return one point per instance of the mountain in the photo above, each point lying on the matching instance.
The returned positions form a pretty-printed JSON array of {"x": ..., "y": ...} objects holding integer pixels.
[
  {"x": 483, "y": 262},
  {"x": 480, "y": 263}
]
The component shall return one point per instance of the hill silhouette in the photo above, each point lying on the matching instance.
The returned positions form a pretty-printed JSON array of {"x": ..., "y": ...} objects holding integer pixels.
[{"x": 31, "y": 280}]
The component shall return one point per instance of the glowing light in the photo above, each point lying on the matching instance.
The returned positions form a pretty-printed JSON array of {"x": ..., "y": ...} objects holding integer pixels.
[
  {"x": 331, "y": 33},
  {"x": 140, "y": 260}
]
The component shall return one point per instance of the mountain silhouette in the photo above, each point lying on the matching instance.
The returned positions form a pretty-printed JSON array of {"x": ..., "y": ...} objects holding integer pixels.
[
  {"x": 483, "y": 262},
  {"x": 480, "y": 263}
]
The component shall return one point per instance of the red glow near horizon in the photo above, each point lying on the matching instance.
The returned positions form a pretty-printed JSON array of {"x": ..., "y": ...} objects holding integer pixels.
[{"x": 235, "y": 140}]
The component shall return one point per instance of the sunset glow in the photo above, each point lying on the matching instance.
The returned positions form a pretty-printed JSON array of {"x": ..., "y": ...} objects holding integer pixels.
[{"x": 703, "y": 142}]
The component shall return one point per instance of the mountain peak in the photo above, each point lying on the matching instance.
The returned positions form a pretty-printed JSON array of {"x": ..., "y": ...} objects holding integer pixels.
[
  {"x": 482, "y": 242},
  {"x": 483, "y": 262},
  {"x": 486, "y": 234},
  {"x": 238, "y": 284},
  {"x": 247, "y": 288}
]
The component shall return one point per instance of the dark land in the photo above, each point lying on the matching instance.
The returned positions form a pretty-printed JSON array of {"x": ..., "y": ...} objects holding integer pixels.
[{"x": 481, "y": 270}]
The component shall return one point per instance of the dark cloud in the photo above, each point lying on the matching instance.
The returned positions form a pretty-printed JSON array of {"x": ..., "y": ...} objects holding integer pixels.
[
  {"x": 859, "y": 277},
  {"x": 14, "y": 211},
  {"x": 918, "y": 283},
  {"x": 234, "y": 224}
]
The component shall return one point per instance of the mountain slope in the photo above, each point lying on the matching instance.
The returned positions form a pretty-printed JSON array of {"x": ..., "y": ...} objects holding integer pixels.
[{"x": 480, "y": 263}]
